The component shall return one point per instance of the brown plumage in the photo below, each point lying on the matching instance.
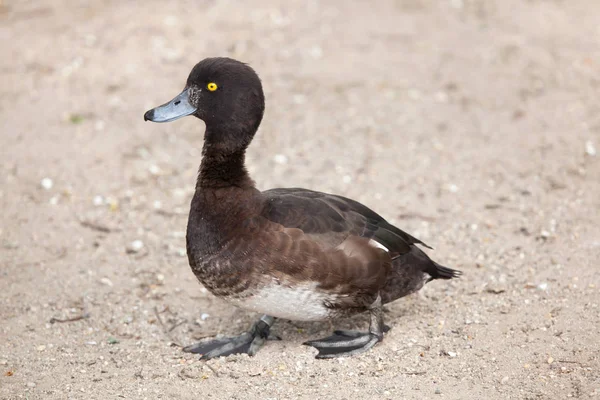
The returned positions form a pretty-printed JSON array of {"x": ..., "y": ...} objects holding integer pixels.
[{"x": 290, "y": 253}]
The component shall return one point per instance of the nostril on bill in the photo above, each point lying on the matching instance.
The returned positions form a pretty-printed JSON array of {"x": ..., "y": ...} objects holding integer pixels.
[{"x": 177, "y": 102}]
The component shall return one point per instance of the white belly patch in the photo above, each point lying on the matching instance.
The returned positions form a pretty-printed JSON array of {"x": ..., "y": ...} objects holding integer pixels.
[{"x": 302, "y": 302}]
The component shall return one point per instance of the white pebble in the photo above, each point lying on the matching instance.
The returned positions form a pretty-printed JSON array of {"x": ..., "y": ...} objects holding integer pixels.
[
  {"x": 47, "y": 183},
  {"x": 453, "y": 188},
  {"x": 106, "y": 281},
  {"x": 135, "y": 246},
  {"x": 316, "y": 52},
  {"x": 280, "y": 159},
  {"x": 98, "y": 200},
  {"x": 347, "y": 179},
  {"x": 452, "y": 354},
  {"x": 590, "y": 149},
  {"x": 204, "y": 316},
  {"x": 154, "y": 169},
  {"x": 543, "y": 286}
]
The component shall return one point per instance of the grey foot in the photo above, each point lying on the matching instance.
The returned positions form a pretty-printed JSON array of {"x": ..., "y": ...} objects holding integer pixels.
[
  {"x": 349, "y": 343},
  {"x": 247, "y": 343},
  {"x": 344, "y": 344}
]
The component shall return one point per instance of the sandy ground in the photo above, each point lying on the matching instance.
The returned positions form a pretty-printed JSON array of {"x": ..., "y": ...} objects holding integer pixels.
[{"x": 472, "y": 124}]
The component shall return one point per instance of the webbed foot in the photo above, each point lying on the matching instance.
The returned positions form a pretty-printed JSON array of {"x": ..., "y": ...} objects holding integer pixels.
[
  {"x": 349, "y": 343},
  {"x": 344, "y": 344},
  {"x": 247, "y": 343}
]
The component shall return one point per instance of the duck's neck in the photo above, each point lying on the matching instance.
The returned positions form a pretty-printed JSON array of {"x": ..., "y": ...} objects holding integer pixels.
[{"x": 223, "y": 162}]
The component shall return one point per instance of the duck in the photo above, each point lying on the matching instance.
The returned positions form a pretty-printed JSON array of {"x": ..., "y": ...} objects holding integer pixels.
[{"x": 284, "y": 253}]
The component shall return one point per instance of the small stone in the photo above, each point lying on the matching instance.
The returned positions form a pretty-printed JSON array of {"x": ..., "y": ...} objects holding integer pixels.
[
  {"x": 47, "y": 183},
  {"x": 112, "y": 340},
  {"x": 255, "y": 372},
  {"x": 204, "y": 316},
  {"x": 41, "y": 347},
  {"x": 106, "y": 281},
  {"x": 504, "y": 380},
  {"x": 438, "y": 391},
  {"x": 3, "y": 362},
  {"x": 135, "y": 246},
  {"x": 154, "y": 169},
  {"x": 316, "y": 52},
  {"x": 452, "y": 354},
  {"x": 543, "y": 286},
  {"x": 98, "y": 200},
  {"x": 280, "y": 159},
  {"x": 31, "y": 384},
  {"x": 550, "y": 360},
  {"x": 452, "y": 188},
  {"x": 590, "y": 149}
]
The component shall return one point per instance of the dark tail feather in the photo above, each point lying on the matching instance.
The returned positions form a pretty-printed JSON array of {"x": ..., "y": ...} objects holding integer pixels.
[{"x": 440, "y": 272}]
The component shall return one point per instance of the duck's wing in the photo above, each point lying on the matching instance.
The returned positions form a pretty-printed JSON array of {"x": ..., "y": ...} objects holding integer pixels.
[{"x": 331, "y": 219}]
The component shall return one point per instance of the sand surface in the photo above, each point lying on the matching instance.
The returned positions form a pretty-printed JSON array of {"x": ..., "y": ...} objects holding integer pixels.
[{"x": 472, "y": 124}]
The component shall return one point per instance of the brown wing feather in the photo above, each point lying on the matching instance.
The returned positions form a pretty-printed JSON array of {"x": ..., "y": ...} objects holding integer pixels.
[{"x": 353, "y": 270}]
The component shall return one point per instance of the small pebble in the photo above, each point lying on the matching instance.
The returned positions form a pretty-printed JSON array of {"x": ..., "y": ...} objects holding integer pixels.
[
  {"x": 504, "y": 380},
  {"x": 30, "y": 384},
  {"x": 590, "y": 149},
  {"x": 154, "y": 169},
  {"x": 452, "y": 354},
  {"x": 280, "y": 159},
  {"x": 204, "y": 316},
  {"x": 135, "y": 246},
  {"x": 550, "y": 360},
  {"x": 98, "y": 200},
  {"x": 41, "y": 347},
  {"x": 438, "y": 391},
  {"x": 543, "y": 286},
  {"x": 106, "y": 281},
  {"x": 47, "y": 183}
]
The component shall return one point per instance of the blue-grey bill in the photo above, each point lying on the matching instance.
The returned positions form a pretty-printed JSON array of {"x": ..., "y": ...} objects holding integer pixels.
[{"x": 178, "y": 107}]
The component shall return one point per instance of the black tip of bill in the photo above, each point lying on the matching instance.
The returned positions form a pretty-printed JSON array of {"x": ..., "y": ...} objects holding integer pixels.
[{"x": 177, "y": 108}]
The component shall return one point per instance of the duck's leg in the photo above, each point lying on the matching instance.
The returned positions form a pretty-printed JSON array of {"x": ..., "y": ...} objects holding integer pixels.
[
  {"x": 349, "y": 343},
  {"x": 247, "y": 343}
]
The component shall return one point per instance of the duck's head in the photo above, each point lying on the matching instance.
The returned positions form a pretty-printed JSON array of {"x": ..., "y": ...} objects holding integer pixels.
[{"x": 226, "y": 94}]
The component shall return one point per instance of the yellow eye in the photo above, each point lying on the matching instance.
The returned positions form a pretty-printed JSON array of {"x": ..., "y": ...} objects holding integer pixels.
[{"x": 212, "y": 86}]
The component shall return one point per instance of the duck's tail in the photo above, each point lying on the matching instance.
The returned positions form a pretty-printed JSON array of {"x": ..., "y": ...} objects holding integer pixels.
[{"x": 437, "y": 271}]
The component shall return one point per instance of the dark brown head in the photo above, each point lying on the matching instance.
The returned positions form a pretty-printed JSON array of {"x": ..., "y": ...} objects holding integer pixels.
[{"x": 227, "y": 95}]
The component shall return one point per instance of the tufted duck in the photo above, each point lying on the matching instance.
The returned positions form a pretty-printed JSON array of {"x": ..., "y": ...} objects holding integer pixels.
[{"x": 285, "y": 253}]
